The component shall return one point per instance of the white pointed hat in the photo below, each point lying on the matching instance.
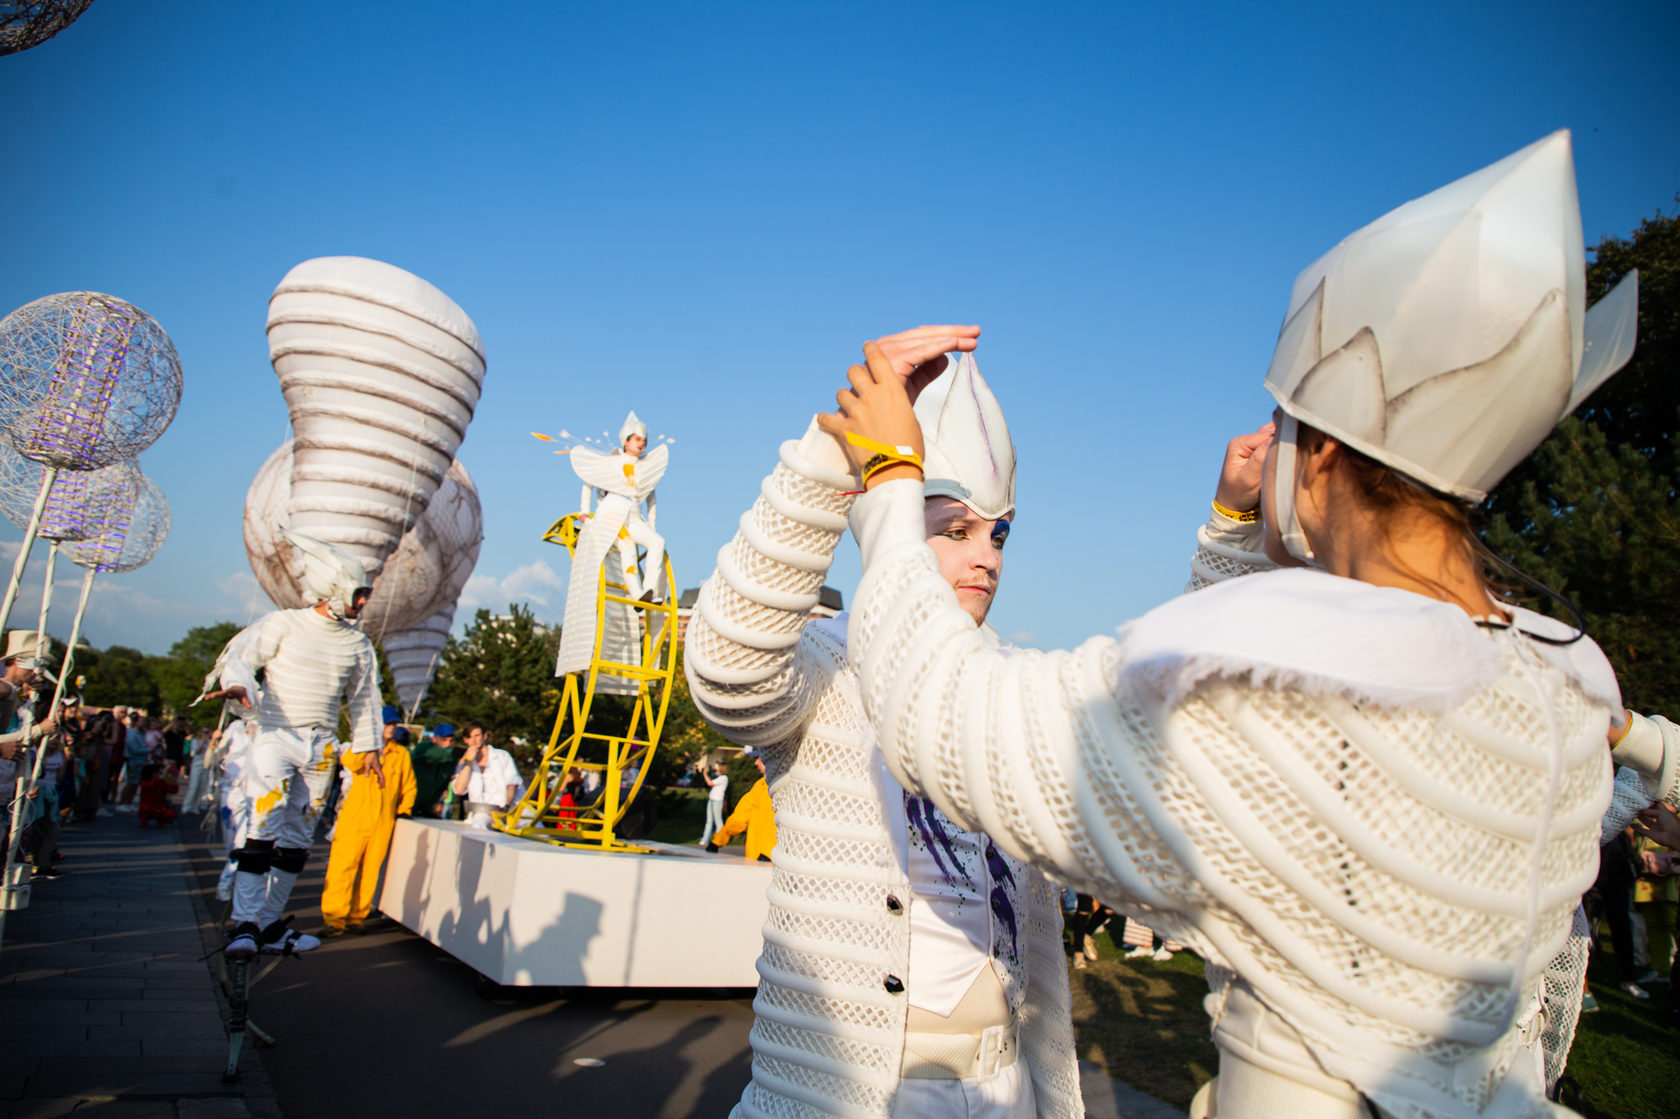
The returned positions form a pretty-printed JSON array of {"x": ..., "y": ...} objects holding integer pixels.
[
  {"x": 632, "y": 426},
  {"x": 328, "y": 573},
  {"x": 1447, "y": 338},
  {"x": 969, "y": 455}
]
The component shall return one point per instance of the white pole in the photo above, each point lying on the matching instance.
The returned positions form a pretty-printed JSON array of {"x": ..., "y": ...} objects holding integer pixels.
[
  {"x": 24, "y": 788},
  {"x": 46, "y": 600},
  {"x": 47, "y": 476}
]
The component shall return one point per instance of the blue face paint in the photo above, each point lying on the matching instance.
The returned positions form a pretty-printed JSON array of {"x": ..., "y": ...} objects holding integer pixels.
[{"x": 1000, "y": 532}]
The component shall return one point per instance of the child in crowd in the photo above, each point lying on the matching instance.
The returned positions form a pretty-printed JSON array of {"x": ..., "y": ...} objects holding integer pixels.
[{"x": 154, "y": 796}]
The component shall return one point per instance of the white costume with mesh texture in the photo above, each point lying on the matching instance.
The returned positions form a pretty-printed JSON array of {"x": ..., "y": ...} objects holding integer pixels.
[
  {"x": 828, "y": 1035},
  {"x": 1376, "y": 840}
]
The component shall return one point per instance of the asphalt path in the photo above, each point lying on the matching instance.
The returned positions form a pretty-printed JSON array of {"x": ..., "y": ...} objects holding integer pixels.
[{"x": 387, "y": 1024}]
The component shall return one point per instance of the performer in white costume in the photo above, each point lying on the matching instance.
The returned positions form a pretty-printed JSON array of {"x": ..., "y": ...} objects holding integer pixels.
[
  {"x": 311, "y": 657},
  {"x": 619, "y": 482},
  {"x": 1368, "y": 795},
  {"x": 910, "y": 968}
]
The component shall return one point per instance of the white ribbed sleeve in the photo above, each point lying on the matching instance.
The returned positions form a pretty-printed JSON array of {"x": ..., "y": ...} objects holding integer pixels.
[
  {"x": 749, "y": 673},
  {"x": 1391, "y": 881}
]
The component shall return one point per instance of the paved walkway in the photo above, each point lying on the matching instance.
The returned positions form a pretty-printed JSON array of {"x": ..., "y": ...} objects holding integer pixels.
[
  {"x": 108, "y": 1010},
  {"x": 106, "y": 1007}
]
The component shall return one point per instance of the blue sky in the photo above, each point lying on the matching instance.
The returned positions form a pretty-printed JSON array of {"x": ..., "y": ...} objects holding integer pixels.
[{"x": 701, "y": 211}]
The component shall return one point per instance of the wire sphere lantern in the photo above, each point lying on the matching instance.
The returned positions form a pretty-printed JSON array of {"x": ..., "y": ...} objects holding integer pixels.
[
  {"x": 73, "y": 497},
  {"x": 29, "y": 23},
  {"x": 124, "y": 534},
  {"x": 89, "y": 380}
]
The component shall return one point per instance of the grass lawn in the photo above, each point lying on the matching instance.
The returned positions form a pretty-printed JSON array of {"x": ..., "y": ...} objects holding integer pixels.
[{"x": 1143, "y": 1022}]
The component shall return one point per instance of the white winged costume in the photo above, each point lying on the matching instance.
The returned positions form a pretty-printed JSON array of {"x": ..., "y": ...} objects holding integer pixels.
[{"x": 620, "y": 483}]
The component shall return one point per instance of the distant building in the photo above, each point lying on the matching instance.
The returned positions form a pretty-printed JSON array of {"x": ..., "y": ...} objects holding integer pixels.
[{"x": 829, "y": 603}]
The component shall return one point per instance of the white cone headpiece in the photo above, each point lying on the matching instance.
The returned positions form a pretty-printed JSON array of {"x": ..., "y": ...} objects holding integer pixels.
[
  {"x": 327, "y": 572},
  {"x": 1447, "y": 338},
  {"x": 632, "y": 426},
  {"x": 969, "y": 455}
]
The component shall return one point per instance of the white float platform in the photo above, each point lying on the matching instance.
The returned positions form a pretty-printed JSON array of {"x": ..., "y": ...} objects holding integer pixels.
[{"x": 530, "y": 914}]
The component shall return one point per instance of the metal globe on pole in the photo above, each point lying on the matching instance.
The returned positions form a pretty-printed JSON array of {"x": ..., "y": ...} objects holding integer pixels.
[{"x": 88, "y": 380}]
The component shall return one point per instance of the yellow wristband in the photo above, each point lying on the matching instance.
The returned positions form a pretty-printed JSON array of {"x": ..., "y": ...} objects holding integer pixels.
[
  {"x": 1247, "y": 518},
  {"x": 885, "y": 454}
]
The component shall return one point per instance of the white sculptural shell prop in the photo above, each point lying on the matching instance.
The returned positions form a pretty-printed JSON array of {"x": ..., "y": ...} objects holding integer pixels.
[
  {"x": 425, "y": 573},
  {"x": 413, "y": 654},
  {"x": 381, "y": 372}
]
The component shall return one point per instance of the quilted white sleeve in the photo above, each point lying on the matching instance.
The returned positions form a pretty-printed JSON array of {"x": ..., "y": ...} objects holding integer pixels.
[
  {"x": 362, "y": 696},
  {"x": 1651, "y": 748},
  {"x": 1013, "y": 746},
  {"x": 750, "y": 674},
  {"x": 1226, "y": 548},
  {"x": 243, "y": 656}
]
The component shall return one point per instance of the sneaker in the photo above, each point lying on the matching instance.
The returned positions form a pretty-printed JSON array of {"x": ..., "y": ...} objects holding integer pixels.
[
  {"x": 1139, "y": 953},
  {"x": 242, "y": 944},
  {"x": 283, "y": 940},
  {"x": 1162, "y": 956},
  {"x": 1090, "y": 948},
  {"x": 48, "y": 873},
  {"x": 332, "y": 931},
  {"x": 1648, "y": 978},
  {"x": 1589, "y": 1005},
  {"x": 1079, "y": 961},
  {"x": 1634, "y": 989}
]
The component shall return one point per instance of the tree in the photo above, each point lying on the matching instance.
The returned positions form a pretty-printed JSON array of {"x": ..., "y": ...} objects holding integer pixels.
[
  {"x": 1593, "y": 513},
  {"x": 119, "y": 675},
  {"x": 180, "y": 675},
  {"x": 501, "y": 673}
]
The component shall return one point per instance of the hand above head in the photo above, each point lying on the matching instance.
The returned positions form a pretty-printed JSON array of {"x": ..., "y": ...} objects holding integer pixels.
[
  {"x": 918, "y": 355},
  {"x": 1239, "y": 474},
  {"x": 874, "y": 413}
]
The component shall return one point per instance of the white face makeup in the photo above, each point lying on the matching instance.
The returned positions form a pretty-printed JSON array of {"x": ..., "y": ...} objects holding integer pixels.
[
  {"x": 969, "y": 549},
  {"x": 635, "y": 445}
]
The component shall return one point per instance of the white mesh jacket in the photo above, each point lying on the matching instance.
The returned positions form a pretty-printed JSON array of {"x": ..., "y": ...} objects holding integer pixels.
[
  {"x": 829, "y": 1016},
  {"x": 1366, "y": 813}
]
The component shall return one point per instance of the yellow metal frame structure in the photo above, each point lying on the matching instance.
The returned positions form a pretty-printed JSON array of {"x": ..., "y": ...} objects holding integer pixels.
[{"x": 538, "y": 815}]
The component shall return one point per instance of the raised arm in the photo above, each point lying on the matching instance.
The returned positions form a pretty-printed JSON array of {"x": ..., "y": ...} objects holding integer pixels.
[{"x": 752, "y": 671}]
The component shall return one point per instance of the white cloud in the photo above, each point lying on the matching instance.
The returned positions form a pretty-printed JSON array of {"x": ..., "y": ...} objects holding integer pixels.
[{"x": 535, "y": 584}]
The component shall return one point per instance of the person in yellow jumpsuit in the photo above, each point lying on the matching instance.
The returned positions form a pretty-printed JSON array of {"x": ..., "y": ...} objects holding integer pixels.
[
  {"x": 753, "y": 815},
  {"x": 363, "y": 838}
]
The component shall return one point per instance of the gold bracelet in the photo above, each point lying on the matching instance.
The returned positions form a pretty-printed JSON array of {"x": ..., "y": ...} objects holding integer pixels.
[{"x": 1247, "y": 518}]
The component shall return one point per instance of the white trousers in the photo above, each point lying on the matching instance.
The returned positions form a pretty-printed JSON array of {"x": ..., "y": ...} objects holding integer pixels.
[
  {"x": 286, "y": 780},
  {"x": 638, "y": 531},
  {"x": 1006, "y": 1094}
]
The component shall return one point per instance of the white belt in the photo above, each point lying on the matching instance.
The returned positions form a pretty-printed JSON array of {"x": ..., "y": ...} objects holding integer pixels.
[{"x": 958, "y": 1056}]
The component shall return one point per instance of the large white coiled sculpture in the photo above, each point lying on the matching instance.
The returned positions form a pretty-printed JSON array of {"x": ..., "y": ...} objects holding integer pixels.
[
  {"x": 381, "y": 372},
  {"x": 423, "y": 576}
]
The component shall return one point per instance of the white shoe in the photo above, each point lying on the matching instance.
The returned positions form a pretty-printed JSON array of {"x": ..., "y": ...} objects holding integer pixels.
[
  {"x": 292, "y": 943},
  {"x": 1162, "y": 956},
  {"x": 1078, "y": 962},
  {"x": 1139, "y": 953},
  {"x": 242, "y": 945},
  {"x": 1090, "y": 948}
]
